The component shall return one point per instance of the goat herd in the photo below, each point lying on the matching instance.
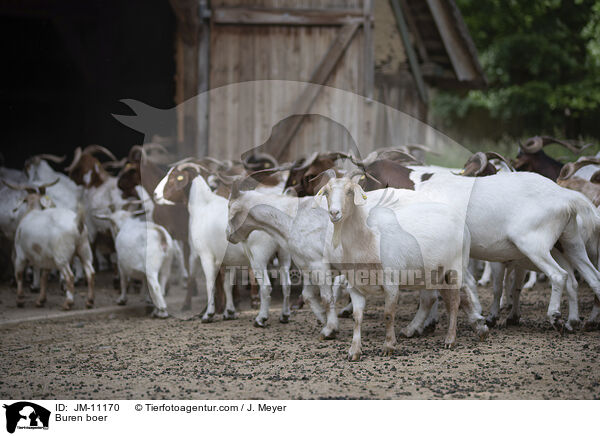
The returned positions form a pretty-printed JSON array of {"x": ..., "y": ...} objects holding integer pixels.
[{"x": 349, "y": 225}]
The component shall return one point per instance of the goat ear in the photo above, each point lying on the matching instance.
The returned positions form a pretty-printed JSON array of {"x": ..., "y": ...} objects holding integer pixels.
[
  {"x": 360, "y": 197},
  {"x": 595, "y": 177},
  {"x": 317, "y": 199}
]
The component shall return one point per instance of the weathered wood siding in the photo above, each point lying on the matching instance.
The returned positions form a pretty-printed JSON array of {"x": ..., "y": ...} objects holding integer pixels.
[{"x": 242, "y": 116}]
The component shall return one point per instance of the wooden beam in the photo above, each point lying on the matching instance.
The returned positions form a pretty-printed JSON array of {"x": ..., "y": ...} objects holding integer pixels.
[
  {"x": 369, "y": 63},
  {"x": 286, "y": 17},
  {"x": 414, "y": 30},
  {"x": 282, "y": 138},
  {"x": 410, "y": 53},
  {"x": 455, "y": 47}
]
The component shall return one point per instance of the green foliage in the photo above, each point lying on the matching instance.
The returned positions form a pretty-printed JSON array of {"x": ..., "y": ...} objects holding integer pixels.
[{"x": 542, "y": 62}]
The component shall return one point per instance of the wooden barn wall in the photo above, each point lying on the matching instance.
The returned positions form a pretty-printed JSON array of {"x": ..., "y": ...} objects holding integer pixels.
[
  {"x": 242, "y": 116},
  {"x": 398, "y": 92}
]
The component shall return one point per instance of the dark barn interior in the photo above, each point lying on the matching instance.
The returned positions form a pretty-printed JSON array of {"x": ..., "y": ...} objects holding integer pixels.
[{"x": 66, "y": 64}]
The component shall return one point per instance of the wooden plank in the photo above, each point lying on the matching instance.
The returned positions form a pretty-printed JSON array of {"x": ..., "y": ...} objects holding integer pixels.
[
  {"x": 286, "y": 17},
  {"x": 203, "y": 81},
  {"x": 455, "y": 47},
  {"x": 319, "y": 77},
  {"x": 368, "y": 56},
  {"x": 410, "y": 53},
  {"x": 414, "y": 30}
]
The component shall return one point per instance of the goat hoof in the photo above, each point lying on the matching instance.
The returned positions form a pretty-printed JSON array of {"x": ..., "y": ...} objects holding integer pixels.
[
  {"x": 160, "y": 313},
  {"x": 40, "y": 302},
  {"x": 491, "y": 321},
  {"x": 354, "y": 357},
  {"x": 407, "y": 333},
  {"x": 122, "y": 301},
  {"x": 260, "y": 322},
  {"x": 388, "y": 350},
  {"x": 89, "y": 303},
  {"x": 20, "y": 301},
  {"x": 67, "y": 305},
  {"x": 328, "y": 335},
  {"x": 573, "y": 324},
  {"x": 430, "y": 328},
  {"x": 589, "y": 326},
  {"x": 284, "y": 319},
  {"x": 208, "y": 317},
  {"x": 344, "y": 313},
  {"x": 483, "y": 331},
  {"x": 513, "y": 321},
  {"x": 34, "y": 290},
  {"x": 449, "y": 344},
  {"x": 229, "y": 315}
]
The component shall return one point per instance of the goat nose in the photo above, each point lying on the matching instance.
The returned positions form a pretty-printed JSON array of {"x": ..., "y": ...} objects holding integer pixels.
[{"x": 335, "y": 214}]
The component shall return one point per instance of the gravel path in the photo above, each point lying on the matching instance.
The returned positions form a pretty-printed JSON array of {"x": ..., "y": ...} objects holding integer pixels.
[{"x": 123, "y": 358}]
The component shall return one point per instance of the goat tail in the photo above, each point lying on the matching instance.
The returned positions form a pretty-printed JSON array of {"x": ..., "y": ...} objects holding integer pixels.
[
  {"x": 588, "y": 220},
  {"x": 165, "y": 238}
]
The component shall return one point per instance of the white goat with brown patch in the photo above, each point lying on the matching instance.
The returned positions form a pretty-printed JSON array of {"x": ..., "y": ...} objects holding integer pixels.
[{"x": 145, "y": 251}]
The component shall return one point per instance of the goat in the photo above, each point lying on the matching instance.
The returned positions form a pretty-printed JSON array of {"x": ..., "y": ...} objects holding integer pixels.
[
  {"x": 419, "y": 237},
  {"x": 555, "y": 214},
  {"x": 297, "y": 227},
  {"x": 49, "y": 238},
  {"x": 208, "y": 243},
  {"x": 532, "y": 158},
  {"x": 588, "y": 187},
  {"x": 145, "y": 251},
  {"x": 100, "y": 192}
]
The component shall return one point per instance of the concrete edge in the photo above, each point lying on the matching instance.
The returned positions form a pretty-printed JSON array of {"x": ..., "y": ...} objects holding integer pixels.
[{"x": 140, "y": 309}]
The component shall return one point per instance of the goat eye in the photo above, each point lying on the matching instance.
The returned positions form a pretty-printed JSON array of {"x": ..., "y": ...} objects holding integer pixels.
[
  {"x": 294, "y": 182},
  {"x": 180, "y": 178}
]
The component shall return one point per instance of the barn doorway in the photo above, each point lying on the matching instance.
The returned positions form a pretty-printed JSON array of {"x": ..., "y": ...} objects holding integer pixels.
[{"x": 66, "y": 64}]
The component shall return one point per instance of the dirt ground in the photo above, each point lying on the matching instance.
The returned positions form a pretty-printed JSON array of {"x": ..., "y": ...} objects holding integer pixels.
[{"x": 127, "y": 357}]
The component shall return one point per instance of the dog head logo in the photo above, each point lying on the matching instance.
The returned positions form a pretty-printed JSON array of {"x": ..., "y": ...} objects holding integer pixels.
[{"x": 26, "y": 415}]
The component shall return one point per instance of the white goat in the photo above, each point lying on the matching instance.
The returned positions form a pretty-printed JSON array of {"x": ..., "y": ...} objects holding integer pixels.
[
  {"x": 516, "y": 216},
  {"x": 209, "y": 245},
  {"x": 50, "y": 238},
  {"x": 145, "y": 251},
  {"x": 414, "y": 237}
]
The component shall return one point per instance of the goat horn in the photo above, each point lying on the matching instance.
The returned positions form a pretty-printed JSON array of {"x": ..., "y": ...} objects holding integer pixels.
[
  {"x": 264, "y": 156},
  {"x": 95, "y": 148},
  {"x": 477, "y": 157},
  {"x": 155, "y": 146},
  {"x": 398, "y": 155},
  {"x": 532, "y": 145},
  {"x": 424, "y": 148},
  {"x": 493, "y": 155},
  {"x": 76, "y": 159},
  {"x": 13, "y": 186},
  {"x": 136, "y": 148},
  {"x": 575, "y": 148},
  {"x": 193, "y": 165},
  {"x": 308, "y": 162},
  {"x": 47, "y": 185},
  {"x": 571, "y": 168},
  {"x": 51, "y": 157},
  {"x": 115, "y": 163}
]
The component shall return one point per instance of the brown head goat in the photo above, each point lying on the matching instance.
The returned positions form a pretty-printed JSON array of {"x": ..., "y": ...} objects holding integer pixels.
[{"x": 532, "y": 158}]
